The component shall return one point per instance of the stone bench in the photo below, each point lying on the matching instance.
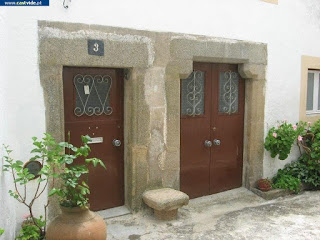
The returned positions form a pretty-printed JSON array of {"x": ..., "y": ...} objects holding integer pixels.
[{"x": 165, "y": 202}]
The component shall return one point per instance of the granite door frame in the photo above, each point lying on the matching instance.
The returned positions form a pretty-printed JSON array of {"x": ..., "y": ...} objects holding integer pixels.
[
  {"x": 252, "y": 63},
  {"x": 69, "y": 48}
]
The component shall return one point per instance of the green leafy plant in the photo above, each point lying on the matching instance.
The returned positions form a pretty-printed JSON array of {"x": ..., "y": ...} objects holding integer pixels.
[
  {"x": 280, "y": 139},
  {"x": 29, "y": 230},
  {"x": 306, "y": 169},
  {"x": 45, "y": 151},
  {"x": 57, "y": 162},
  {"x": 309, "y": 162},
  {"x": 286, "y": 181},
  {"x": 309, "y": 171},
  {"x": 74, "y": 189},
  {"x": 1, "y": 232}
]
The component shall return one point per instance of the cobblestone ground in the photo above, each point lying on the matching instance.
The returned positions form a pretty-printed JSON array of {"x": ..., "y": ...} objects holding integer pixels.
[{"x": 235, "y": 214}]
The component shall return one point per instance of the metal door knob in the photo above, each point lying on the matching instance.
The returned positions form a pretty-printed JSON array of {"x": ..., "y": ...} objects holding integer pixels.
[
  {"x": 116, "y": 142},
  {"x": 216, "y": 142},
  {"x": 207, "y": 143}
]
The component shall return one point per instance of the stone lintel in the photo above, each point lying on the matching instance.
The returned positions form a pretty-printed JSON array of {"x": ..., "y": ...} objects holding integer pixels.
[{"x": 165, "y": 202}]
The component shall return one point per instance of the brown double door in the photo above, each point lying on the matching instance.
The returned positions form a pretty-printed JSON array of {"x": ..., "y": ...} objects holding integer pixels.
[
  {"x": 212, "y": 120},
  {"x": 93, "y": 105}
]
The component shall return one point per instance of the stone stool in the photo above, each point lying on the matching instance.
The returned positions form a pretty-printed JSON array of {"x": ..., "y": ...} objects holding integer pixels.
[{"x": 165, "y": 202}]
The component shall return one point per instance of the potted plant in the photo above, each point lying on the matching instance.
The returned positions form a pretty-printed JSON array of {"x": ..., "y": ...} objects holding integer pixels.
[
  {"x": 76, "y": 220},
  {"x": 305, "y": 170},
  {"x": 39, "y": 170},
  {"x": 264, "y": 184}
]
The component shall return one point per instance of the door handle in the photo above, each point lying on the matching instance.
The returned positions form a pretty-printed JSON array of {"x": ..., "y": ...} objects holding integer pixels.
[
  {"x": 216, "y": 142},
  {"x": 116, "y": 142},
  {"x": 207, "y": 143}
]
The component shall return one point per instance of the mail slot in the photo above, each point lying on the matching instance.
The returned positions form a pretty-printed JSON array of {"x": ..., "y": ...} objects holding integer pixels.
[{"x": 96, "y": 140}]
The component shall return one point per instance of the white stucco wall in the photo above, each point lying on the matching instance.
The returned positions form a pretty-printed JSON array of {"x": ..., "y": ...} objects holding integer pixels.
[
  {"x": 7, "y": 205},
  {"x": 290, "y": 29}
]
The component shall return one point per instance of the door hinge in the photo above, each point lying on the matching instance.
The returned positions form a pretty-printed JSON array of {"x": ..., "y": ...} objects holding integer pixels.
[{"x": 126, "y": 73}]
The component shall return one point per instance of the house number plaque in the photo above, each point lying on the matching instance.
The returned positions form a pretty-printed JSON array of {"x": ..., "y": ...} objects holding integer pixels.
[
  {"x": 33, "y": 167},
  {"x": 96, "y": 47}
]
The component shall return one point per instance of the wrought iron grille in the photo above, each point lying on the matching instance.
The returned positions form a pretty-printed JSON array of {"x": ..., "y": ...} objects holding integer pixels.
[
  {"x": 193, "y": 94},
  {"x": 228, "y": 92},
  {"x": 93, "y": 95}
]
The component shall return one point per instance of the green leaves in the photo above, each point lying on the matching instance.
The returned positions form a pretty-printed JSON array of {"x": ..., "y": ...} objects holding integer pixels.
[
  {"x": 95, "y": 162},
  {"x": 59, "y": 160},
  {"x": 83, "y": 151},
  {"x": 13, "y": 194},
  {"x": 86, "y": 139},
  {"x": 68, "y": 159},
  {"x": 40, "y": 221},
  {"x": 74, "y": 189},
  {"x": 280, "y": 140},
  {"x": 30, "y": 231},
  {"x": 55, "y": 191},
  {"x": 286, "y": 181},
  {"x": 307, "y": 168}
]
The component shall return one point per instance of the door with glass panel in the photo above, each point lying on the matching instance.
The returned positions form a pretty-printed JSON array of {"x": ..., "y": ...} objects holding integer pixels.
[
  {"x": 212, "y": 120},
  {"x": 93, "y": 105}
]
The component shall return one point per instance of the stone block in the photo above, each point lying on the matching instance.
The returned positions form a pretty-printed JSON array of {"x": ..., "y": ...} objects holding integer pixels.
[
  {"x": 272, "y": 194},
  {"x": 166, "y": 215},
  {"x": 253, "y": 71},
  {"x": 165, "y": 202}
]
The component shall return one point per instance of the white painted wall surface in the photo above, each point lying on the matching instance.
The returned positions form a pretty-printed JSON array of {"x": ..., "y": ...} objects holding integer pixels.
[
  {"x": 290, "y": 29},
  {"x": 7, "y": 204}
]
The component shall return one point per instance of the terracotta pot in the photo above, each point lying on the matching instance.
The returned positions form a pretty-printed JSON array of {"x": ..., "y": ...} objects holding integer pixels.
[
  {"x": 265, "y": 189},
  {"x": 264, "y": 185},
  {"x": 77, "y": 224}
]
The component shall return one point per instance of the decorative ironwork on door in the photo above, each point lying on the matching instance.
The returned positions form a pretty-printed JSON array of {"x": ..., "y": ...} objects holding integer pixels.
[
  {"x": 93, "y": 95},
  {"x": 193, "y": 94},
  {"x": 228, "y": 92}
]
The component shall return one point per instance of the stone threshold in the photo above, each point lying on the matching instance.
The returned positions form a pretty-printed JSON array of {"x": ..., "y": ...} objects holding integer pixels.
[{"x": 114, "y": 212}]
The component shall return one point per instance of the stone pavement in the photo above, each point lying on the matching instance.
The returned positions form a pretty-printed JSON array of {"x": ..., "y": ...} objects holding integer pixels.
[{"x": 235, "y": 214}]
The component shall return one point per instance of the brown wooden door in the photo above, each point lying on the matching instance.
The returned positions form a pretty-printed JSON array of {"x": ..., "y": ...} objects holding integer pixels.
[
  {"x": 212, "y": 111},
  {"x": 93, "y": 105}
]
